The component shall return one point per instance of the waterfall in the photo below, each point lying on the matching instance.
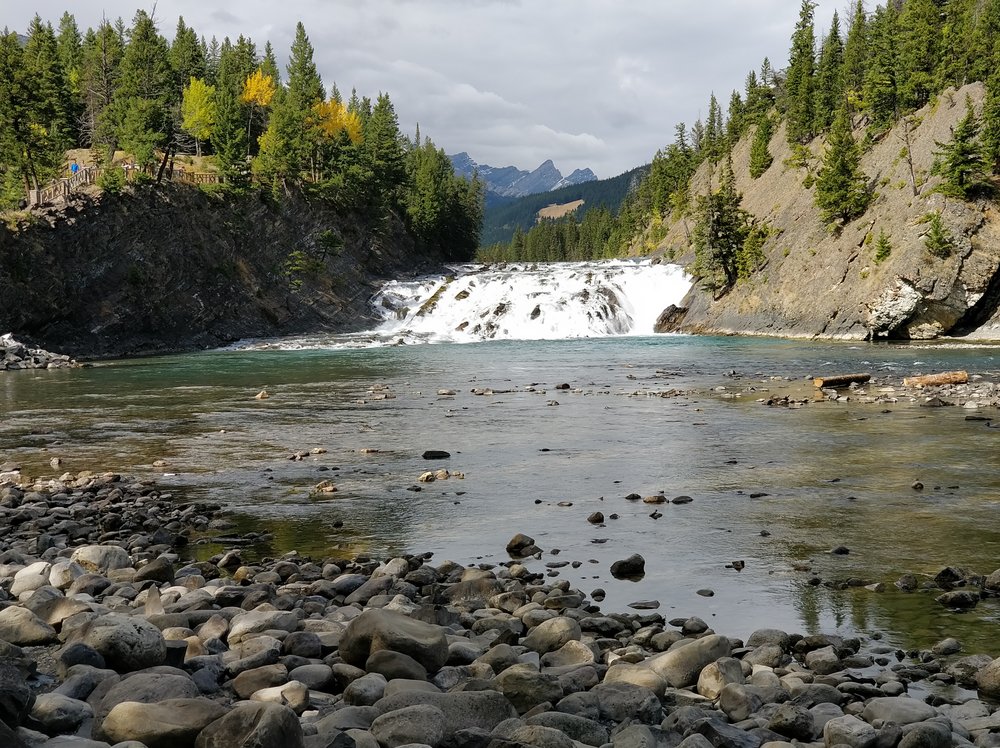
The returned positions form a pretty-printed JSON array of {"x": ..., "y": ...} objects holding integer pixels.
[{"x": 530, "y": 301}]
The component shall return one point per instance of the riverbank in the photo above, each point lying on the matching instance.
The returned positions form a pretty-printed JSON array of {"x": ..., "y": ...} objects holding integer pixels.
[
  {"x": 109, "y": 635},
  {"x": 15, "y": 355}
]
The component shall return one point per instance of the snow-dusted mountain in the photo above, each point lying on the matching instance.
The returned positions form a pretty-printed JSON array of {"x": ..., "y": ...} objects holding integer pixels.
[{"x": 509, "y": 181}]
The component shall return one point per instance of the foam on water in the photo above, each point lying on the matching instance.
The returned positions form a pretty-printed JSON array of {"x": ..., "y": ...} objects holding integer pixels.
[
  {"x": 543, "y": 301},
  {"x": 531, "y": 302}
]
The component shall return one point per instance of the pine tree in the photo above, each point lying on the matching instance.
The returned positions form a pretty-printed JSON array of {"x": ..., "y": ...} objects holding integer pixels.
[
  {"x": 961, "y": 163},
  {"x": 957, "y": 31},
  {"x": 187, "y": 59},
  {"x": 800, "y": 82},
  {"x": 28, "y": 154},
  {"x": 841, "y": 189},
  {"x": 736, "y": 123},
  {"x": 760, "y": 155},
  {"x": 144, "y": 89},
  {"x": 880, "y": 90},
  {"x": 383, "y": 151},
  {"x": 102, "y": 55},
  {"x": 829, "y": 76},
  {"x": 212, "y": 51},
  {"x": 714, "y": 131},
  {"x": 991, "y": 123},
  {"x": 919, "y": 39},
  {"x": 938, "y": 240},
  {"x": 51, "y": 90},
  {"x": 719, "y": 233},
  {"x": 984, "y": 51},
  {"x": 70, "y": 46},
  {"x": 269, "y": 64},
  {"x": 305, "y": 87},
  {"x": 856, "y": 54}
]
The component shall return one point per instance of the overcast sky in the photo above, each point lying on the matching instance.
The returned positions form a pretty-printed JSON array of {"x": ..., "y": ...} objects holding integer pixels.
[{"x": 598, "y": 83}]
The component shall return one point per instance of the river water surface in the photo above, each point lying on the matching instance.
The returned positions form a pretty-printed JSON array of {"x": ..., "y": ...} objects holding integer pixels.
[{"x": 823, "y": 475}]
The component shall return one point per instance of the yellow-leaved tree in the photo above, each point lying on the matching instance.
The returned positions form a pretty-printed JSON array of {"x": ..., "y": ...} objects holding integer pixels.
[
  {"x": 258, "y": 90},
  {"x": 331, "y": 118},
  {"x": 198, "y": 111}
]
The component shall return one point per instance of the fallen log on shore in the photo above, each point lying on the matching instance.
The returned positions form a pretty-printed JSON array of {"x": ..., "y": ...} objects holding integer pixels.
[
  {"x": 929, "y": 380},
  {"x": 841, "y": 380}
]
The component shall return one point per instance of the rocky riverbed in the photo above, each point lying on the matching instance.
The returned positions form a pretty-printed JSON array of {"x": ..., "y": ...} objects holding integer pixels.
[{"x": 109, "y": 638}]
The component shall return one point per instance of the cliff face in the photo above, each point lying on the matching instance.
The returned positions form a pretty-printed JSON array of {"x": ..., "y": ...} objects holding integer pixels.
[
  {"x": 821, "y": 283},
  {"x": 172, "y": 268}
]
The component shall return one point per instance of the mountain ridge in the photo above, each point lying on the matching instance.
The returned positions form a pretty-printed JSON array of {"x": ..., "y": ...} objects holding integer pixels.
[{"x": 509, "y": 181}]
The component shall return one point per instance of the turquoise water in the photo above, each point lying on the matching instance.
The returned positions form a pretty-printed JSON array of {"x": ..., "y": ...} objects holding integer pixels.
[{"x": 832, "y": 474}]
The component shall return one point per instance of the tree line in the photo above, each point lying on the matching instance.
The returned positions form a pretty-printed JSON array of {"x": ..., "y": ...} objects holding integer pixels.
[
  {"x": 127, "y": 88},
  {"x": 867, "y": 74}
]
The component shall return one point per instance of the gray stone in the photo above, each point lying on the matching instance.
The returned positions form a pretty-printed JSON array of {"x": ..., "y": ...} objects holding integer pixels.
[
  {"x": 165, "y": 724},
  {"x": 293, "y": 694},
  {"x": 375, "y": 630},
  {"x": 823, "y": 661},
  {"x": 257, "y": 678},
  {"x": 125, "y": 643},
  {"x": 526, "y": 688},
  {"x": 16, "y": 697},
  {"x": 540, "y": 737},
  {"x": 899, "y": 709},
  {"x": 775, "y": 637},
  {"x": 100, "y": 559},
  {"x": 257, "y": 621},
  {"x": 22, "y": 627},
  {"x": 625, "y": 672},
  {"x": 145, "y": 688},
  {"x": 60, "y": 714},
  {"x": 933, "y": 734},
  {"x": 420, "y": 723},
  {"x": 681, "y": 667},
  {"x": 582, "y": 730},
  {"x": 739, "y": 701},
  {"x": 793, "y": 722},
  {"x": 462, "y": 709},
  {"x": 849, "y": 731},
  {"x": 552, "y": 634},
  {"x": 316, "y": 677},
  {"x": 253, "y": 724},
  {"x": 395, "y": 665},
  {"x": 717, "y": 675},
  {"x": 366, "y": 690}
]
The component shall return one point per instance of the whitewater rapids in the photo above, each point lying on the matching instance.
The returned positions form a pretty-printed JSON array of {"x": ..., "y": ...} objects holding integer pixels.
[{"x": 530, "y": 301}]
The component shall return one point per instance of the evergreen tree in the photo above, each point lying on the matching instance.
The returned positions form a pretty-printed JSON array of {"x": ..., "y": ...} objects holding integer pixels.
[
  {"x": 800, "y": 82},
  {"x": 760, "y": 155},
  {"x": 736, "y": 123},
  {"x": 213, "y": 52},
  {"x": 938, "y": 239},
  {"x": 383, "y": 151},
  {"x": 70, "y": 46},
  {"x": 29, "y": 155},
  {"x": 719, "y": 234},
  {"x": 269, "y": 64},
  {"x": 144, "y": 89},
  {"x": 829, "y": 76},
  {"x": 984, "y": 51},
  {"x": 305, "y": 87},
  {"x": 51, "y": 91},
  {"x": 856, "y": 54},
  {"x": 841, "y": 189},
  {"x": 961, "y": 163},
  {"x": 187, "y": 59},
  {"x": 919, "y": 38},
  {"x": 957, "y": 32},
  {"x": 991, "y": 123},
  {"x": 714, "y": 131},
  {"x": 229, "y": 135},
  {"x": 880, "y": 91},
  {"x": 102, "y": 55}
]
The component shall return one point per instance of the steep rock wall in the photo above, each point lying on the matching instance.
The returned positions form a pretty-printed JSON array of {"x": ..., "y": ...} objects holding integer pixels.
[
  {"x": 172, "y": 268},
  {"x": 822, "y": 283}
]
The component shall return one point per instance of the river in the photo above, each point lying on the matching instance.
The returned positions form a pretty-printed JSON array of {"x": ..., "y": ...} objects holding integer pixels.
[{"x": 776, "y": 488}]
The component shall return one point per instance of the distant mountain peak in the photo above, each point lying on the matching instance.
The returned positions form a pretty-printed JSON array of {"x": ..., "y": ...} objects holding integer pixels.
[{"x": 509, "y": 181}]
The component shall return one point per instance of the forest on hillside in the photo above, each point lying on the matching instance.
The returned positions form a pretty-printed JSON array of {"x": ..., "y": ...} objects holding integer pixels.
[
  {"x": 129, "y": 95},
  {"x": 864, "y": 74}
]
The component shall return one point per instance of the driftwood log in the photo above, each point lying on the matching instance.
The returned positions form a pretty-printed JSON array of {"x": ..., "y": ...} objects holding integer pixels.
[
  {"x": 928, "y": 380},
  {"x": 841, "y": 380}
]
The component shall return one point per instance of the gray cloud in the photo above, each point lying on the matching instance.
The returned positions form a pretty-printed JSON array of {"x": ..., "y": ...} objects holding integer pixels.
[{"x": 595, "y": 83}]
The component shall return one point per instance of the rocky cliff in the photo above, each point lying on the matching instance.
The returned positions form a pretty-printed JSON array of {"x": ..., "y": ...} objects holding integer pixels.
[
  {"x": 173, "y": 268},
  {"x": 819, "y": 282}
]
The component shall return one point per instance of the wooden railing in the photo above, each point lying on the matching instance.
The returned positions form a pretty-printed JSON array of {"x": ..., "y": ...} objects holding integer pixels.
[{"x": 88, "y": 175}]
